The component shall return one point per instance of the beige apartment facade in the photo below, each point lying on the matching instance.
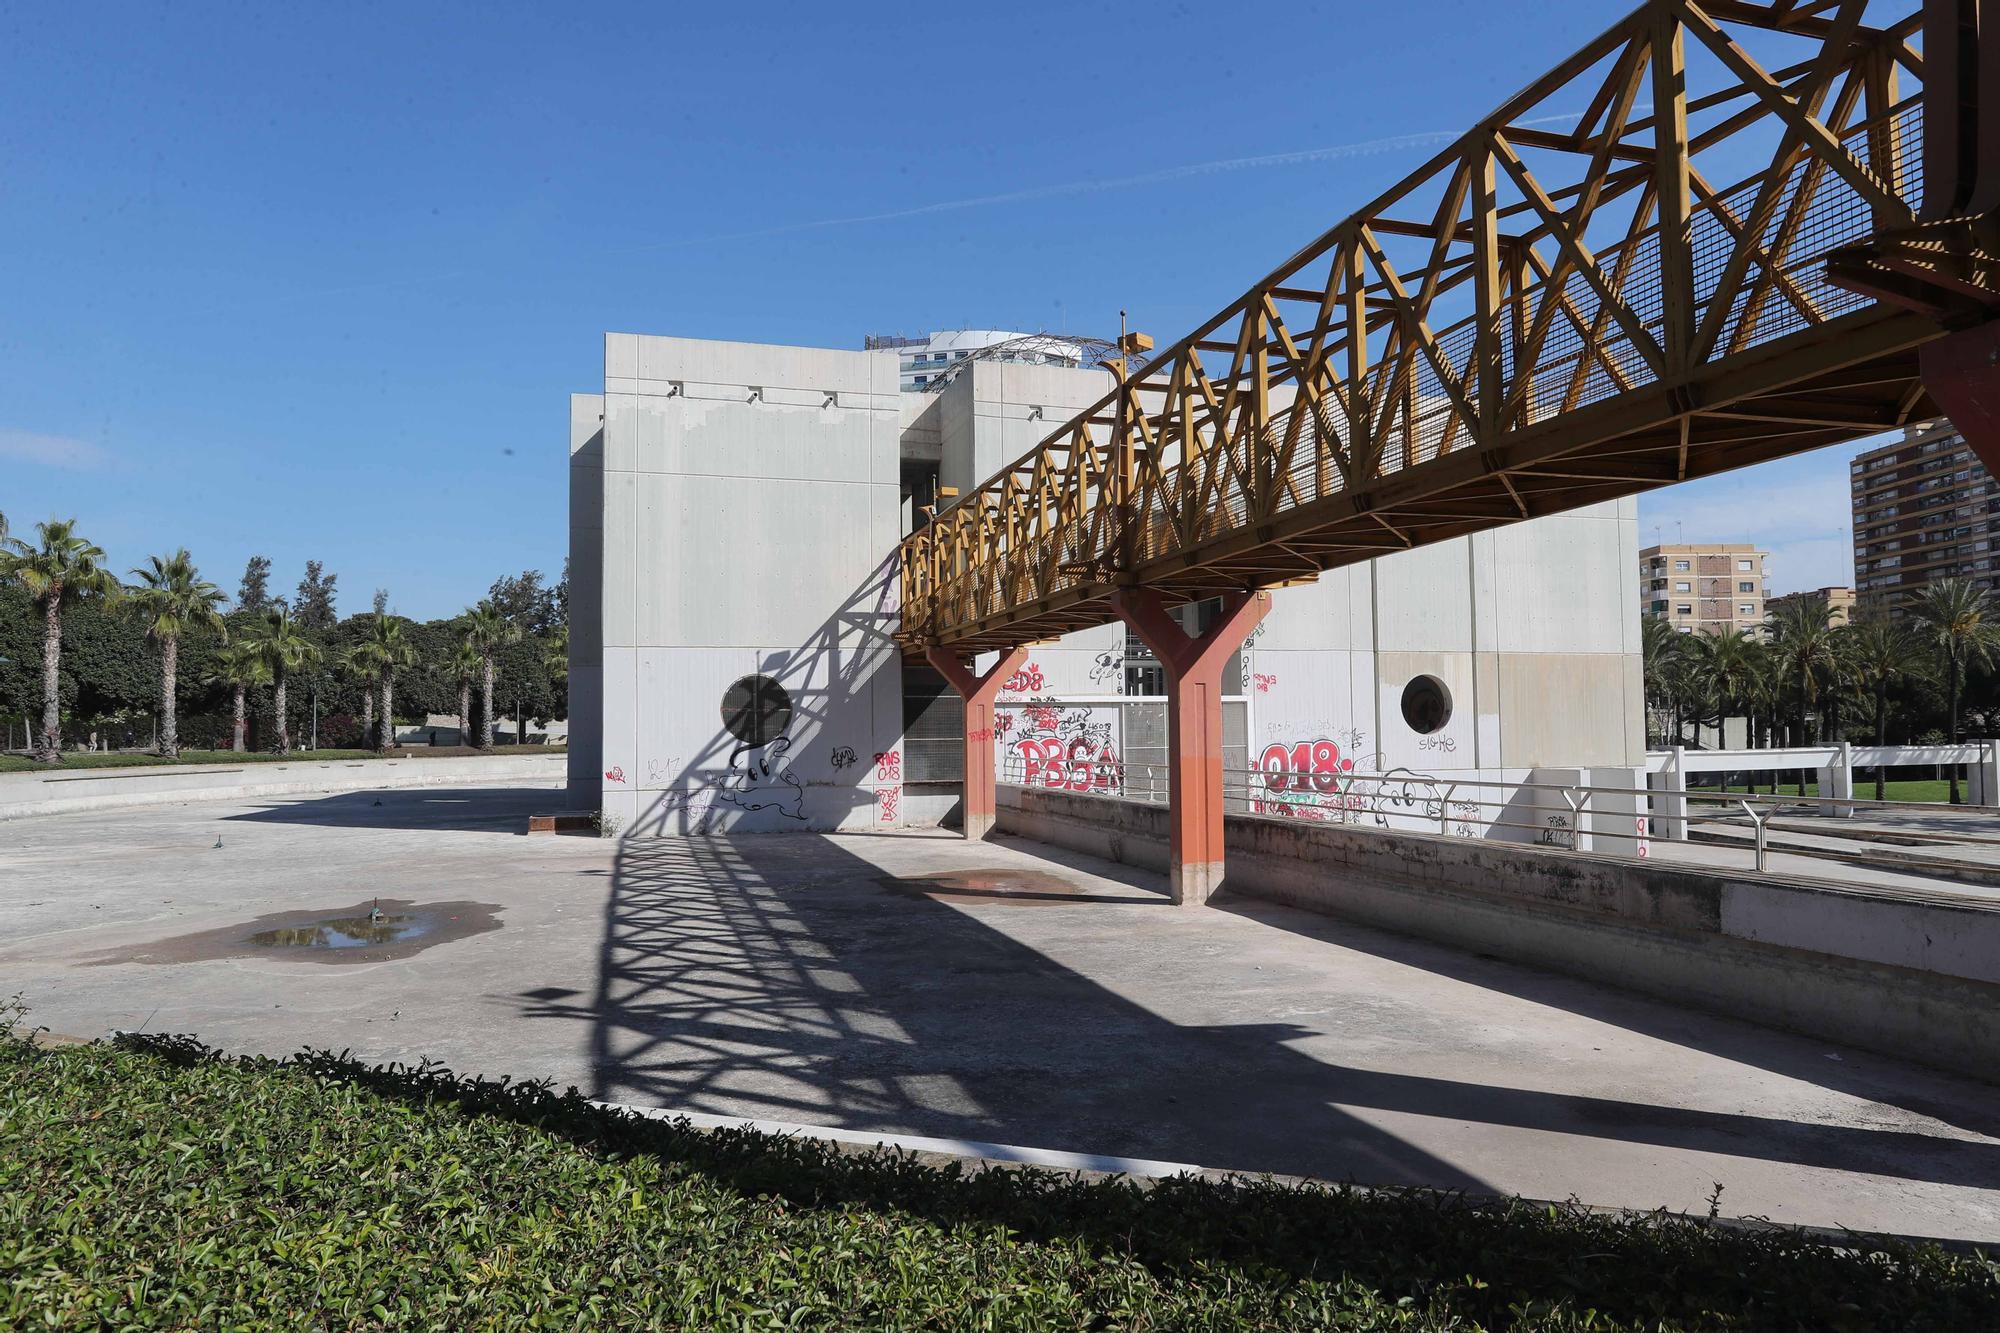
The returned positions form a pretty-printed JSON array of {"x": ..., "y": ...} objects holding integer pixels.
[
  {"x": 1839, "y": 601},
  {"x": 1705, "y": 588}
]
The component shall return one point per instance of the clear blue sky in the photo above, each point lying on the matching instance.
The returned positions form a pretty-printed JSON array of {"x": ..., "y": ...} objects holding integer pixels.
[{"x": 315, "y": 281}]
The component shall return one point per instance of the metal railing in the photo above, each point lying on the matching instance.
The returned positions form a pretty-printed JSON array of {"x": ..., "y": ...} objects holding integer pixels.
[{"x": 1592, "y": 818}]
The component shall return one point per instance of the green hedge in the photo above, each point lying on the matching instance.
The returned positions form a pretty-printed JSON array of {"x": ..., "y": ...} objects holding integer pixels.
[{"x": 153, "y": 1184}]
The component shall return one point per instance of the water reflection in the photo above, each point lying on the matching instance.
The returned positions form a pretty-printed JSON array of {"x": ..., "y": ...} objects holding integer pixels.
[{"x": 346, "y": 932}]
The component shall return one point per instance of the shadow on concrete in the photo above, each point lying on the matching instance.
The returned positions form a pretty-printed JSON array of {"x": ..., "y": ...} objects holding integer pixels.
[
  {"x": 458, "y": 809},
  {"x": 1851, "y": 1070},
  {"x": 773, "y": 977}
]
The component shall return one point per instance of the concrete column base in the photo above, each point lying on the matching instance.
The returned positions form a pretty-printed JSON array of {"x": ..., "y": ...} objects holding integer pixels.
[{"x": 1193, "y": 883}]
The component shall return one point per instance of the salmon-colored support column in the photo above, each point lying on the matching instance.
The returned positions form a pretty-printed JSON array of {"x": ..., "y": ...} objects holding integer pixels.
[
  {"x": 978, "y": 692},
  {"x": 1962, "y": 372},
  {"x": 1194, "y": 727}
]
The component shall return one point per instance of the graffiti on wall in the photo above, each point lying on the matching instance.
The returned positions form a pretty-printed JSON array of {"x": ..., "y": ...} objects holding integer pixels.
[
  {"x": 1108, "y": 672},
  {"x": 1317, "y": 780},
  {"x": 888, "y": 786},
  {"x": 843, "y": 758},
  {"x": 1024, "y": 681},
  {"x": 759, "y": 779},
  {"x": 1050, "y": 746},
  {"x": 1305, "y": 780}
]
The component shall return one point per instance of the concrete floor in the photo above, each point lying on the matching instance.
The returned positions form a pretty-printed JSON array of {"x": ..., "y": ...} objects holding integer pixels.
[{"x": 780, "y": 977}]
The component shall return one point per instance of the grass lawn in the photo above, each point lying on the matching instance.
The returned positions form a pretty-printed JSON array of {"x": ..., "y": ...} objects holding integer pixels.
[
  {"x": 1896, "y": 789},
  {"x": 16, "y": 763},
  {"x": 150, "y": 1184}
]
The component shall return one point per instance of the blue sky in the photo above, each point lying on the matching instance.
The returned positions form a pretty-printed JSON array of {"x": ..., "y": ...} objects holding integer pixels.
[{"x": 315, "y": 282}]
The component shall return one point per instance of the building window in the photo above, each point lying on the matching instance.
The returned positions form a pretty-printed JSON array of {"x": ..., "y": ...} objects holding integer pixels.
[
  {"x": 1746, "y": 587},
  {"x": 1683, "y": 587},
  {"x": 1681, "y": 566},
  {"x": 1746, "y": 610},
  {"x": 1684, "y": 609},
  {"x": 1744, "y": 566}
]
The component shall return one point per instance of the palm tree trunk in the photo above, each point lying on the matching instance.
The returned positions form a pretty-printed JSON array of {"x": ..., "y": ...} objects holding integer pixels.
[
  {"x": 284, "y": 727},
  {"x": 170, "y": 733},
  {"x": 367, "y": 714},
  {"x": 1881, "y": 736},
  {"x": 486, "y": 707},
  {"x": 465, "y": 712},
  {"x": 388, "y": 714},
  {"x": 237, "y": 718},
  {"x": 1951, "y": 737},
  {"x": 50, "y": 751}
]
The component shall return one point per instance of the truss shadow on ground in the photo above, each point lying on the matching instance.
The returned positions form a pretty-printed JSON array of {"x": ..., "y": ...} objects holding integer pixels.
[{"x": 774, "y": 977}]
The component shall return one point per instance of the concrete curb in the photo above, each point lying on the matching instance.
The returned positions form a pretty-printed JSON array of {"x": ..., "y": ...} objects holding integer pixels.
[
  {"x": 1091, "y": 1165},
  {"x": 75, "y": 792}
]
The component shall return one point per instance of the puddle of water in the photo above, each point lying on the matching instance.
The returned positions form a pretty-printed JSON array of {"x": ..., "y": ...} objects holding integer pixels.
[
  {"x": 369, "y": 932},
  {"x": 1002, "y": 888}
]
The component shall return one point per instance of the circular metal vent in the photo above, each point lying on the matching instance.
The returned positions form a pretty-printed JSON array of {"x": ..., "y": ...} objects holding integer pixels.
[
  {"x": 756, "y": 710},
  {"x": 1426, "y": 705}
]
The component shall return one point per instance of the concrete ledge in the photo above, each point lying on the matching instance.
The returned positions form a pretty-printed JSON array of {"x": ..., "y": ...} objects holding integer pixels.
[
  {"x": 62, "y": 791},
  {"x": 1914, "y": 979}
]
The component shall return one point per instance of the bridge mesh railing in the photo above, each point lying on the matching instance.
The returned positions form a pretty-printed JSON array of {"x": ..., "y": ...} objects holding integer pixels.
[{"x": 1586, "y": 357}]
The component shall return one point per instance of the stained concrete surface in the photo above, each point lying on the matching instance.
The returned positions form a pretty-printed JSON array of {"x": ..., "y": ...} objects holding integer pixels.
[{"x": 803, "y": 978}]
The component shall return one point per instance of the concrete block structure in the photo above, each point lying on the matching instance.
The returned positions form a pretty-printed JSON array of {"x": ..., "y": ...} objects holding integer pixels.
[{"x": 735, "y": 510}]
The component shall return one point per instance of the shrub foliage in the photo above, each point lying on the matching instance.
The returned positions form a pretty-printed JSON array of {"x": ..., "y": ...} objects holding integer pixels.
[{"x": 151, "y": 1183}]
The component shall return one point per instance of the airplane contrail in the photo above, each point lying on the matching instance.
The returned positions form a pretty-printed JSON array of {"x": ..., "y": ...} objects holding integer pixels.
[{"x": 1164, "y": 175}]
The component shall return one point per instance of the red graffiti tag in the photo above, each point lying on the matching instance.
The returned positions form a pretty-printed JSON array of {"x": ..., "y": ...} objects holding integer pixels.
[
  {"x": 1264, "y": 682},
  {"x": 614, "y": 774},
  {"x": 1298, "y": 776},
  {"x": 889, "y": 766},
  {"x": 983, "y": 734},
  {"x": 888, "y": 802},
  {"x": 1027, "y": 678},
  {"x": 1078, "y": 765}
]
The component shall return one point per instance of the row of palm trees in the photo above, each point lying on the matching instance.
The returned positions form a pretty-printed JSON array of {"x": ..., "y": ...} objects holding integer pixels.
[
  {"x": 1809, "y": 670},
  {"x": 60, "y": 569}
]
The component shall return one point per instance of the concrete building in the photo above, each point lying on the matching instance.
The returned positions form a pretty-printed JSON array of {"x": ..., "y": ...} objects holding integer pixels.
[
  {"x": 1839, "y": 601},
  {"x": 735, "y": 510},
  {"x": 1710, "y": 588},
  {"x": 926, "y": 360},
  {"x": 1925, "y": 508}
]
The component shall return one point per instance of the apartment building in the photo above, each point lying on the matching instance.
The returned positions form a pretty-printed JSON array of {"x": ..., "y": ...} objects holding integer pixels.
[
  {"x": 1704, "y": 588},
  {"x": 1839, "y": 603},
  {"x": 1925, "y": 508}
]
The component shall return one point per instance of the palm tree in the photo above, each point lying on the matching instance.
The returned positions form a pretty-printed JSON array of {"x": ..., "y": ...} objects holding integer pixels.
[
  {"x": 173, "y": 598},
  {"x": 487, "y": 630},
  {"x": 1955, "y": 616},
  {"x": 392, "y": 649},
  {"x": 62, "y": 569},
  {"x": 239, "y": 666},
  {"x": 555, "y": 657},
  {"x": 283, "y": 648},
  {"x": 466, "y": 664},
  {"x": 1661, "y": 648},
  {"x": 1804, "y": 642},
  {"x": 363, "y": 664},
  {"x": 1880, "y": 653}
]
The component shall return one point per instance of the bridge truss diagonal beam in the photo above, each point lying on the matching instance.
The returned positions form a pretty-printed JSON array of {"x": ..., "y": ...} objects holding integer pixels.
[{"x": 1561, "y": 307}]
